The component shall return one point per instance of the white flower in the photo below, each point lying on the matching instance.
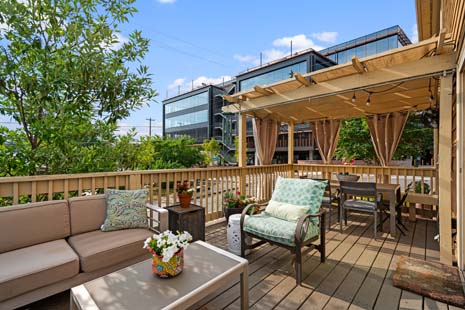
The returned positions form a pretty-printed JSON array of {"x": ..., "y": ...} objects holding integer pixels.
[{"x": 147, "y": 243}]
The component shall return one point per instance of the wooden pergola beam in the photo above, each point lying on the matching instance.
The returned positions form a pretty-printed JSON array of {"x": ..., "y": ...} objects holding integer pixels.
[
  {"x": 358, "y": 65},
  {"x": 300, "y": 78},
  {"x": 393, "y": 74},
  {"x": 440, "y": 44},
  {"x": 263, "y": 91},
  {"x": 230, "y": 99}
]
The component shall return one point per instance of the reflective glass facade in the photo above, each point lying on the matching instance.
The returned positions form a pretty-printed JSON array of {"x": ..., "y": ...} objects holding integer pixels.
[
  {"x": 273, "y": 76},
  {"x": 187, "y": 119},
  {"x": 187, "y": 103},
  {"x": 367, "y": 49}
]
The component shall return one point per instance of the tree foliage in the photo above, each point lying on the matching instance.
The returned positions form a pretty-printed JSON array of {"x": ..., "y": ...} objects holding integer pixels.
[
  {"x": 67, "y": 77},
  {"x": 355, "y": 140},
  {"x": 211, "y": 148}
]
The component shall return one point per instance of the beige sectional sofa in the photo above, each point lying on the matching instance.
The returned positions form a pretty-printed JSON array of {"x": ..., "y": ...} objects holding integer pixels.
[{"x": 48, "y": 247}]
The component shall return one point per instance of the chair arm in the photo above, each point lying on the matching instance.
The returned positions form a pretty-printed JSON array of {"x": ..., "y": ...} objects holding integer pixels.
[
  {"x": 158, "y": 216},
  {"x": 253, "y": 206},
  {"x": 302, "y": 225}
]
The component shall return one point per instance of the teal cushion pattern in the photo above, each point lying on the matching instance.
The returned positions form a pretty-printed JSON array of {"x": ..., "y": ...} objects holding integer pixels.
[
  {"x": 299, "y": 192},
  {"x": 125, "y": 209},
  {"x": 271, "y": 228}
]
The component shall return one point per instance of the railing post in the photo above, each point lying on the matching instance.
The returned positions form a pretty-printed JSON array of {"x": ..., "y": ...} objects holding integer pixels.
[
  {"x": 135, "y": 181},
  {"x": 242, "y": 151}
]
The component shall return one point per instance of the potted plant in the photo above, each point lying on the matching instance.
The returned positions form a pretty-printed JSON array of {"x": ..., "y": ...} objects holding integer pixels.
[
  {"x": 185, "y": 192},
  {"x": 347, "y": 177},
  {"x": 234, "y": 203},
  {"x": 167, "y": 251}
]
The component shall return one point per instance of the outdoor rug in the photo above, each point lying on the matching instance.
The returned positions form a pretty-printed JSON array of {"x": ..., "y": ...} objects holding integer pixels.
[{"x": 430, "y": 279}]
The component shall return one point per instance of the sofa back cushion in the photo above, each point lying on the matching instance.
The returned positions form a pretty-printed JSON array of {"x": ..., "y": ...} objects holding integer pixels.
[
  {"x": 33, "y": 223},
  {"x": 293, "y": 198},
  {"x": 87, "y": 213}
]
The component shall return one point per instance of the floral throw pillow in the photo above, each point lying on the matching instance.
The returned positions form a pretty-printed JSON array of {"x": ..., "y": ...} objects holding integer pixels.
[{"x": 125, "y": 209}]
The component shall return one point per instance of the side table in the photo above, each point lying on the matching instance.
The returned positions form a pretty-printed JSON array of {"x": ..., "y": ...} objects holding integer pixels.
[{"x": 190, "y": 219}]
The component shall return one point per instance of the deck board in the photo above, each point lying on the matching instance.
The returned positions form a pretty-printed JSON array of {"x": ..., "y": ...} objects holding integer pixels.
[{"x": 357, "y": 273}]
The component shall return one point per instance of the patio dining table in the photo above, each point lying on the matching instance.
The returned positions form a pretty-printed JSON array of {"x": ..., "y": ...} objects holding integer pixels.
[{"x": 392, "y": 191}]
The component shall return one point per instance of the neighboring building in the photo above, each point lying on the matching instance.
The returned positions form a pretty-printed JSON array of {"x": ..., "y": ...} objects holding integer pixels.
[
  {"x": 198, "y": 113},
  {"x": 373, "y": 43}
]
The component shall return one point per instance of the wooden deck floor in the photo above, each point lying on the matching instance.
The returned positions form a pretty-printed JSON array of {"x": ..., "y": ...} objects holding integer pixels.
[{"x": 356, "y": 275}]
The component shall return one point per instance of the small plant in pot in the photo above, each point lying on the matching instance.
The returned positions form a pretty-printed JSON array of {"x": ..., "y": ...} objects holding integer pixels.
[
  {"x": 167, "y": 251},
  {"x": 185, "y": 192},
  {"x": 234, "y": 203}
]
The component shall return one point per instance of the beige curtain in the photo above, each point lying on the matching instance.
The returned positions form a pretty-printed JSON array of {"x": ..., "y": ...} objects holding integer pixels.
[
  {"x": 327, "y": 134},
  {"x": 386, "y": 130},
  {"x": 265, "y": 135}
]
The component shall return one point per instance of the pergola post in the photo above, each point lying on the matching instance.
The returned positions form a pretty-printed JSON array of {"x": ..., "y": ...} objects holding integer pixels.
[
  {"x": 242, "y": 160},
  {"x": 445, "y": 168},
  {"x": 290, "y": 146}
]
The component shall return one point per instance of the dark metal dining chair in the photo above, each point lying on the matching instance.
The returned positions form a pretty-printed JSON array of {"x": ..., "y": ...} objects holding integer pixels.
[{"x": 351, "y": 194}]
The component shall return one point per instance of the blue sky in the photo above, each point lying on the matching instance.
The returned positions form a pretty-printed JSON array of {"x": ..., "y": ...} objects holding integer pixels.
[{"x": 206, "y": 40}]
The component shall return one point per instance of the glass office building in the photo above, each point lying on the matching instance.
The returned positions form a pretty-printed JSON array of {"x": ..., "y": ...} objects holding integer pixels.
[
  {"x": 367, "y": 45},
  {"x": 198, "y": 113}
]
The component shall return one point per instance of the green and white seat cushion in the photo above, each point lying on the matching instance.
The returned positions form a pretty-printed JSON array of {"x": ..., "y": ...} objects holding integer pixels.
[
  {"x": 274, "y": 229},
  {"x": 293, "y": 198}
]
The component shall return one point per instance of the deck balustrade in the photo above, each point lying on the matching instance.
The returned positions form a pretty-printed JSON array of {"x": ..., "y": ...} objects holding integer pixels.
[{"x": 210, "y": 183}]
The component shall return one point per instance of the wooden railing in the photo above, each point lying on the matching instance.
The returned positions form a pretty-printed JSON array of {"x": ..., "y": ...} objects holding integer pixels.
[{"x": 210, "y": 183}]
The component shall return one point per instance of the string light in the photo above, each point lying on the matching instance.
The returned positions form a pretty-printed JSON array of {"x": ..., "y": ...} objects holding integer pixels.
[
  {"x": 368, "y": 103},
  {"x": 353, "y": 98}
]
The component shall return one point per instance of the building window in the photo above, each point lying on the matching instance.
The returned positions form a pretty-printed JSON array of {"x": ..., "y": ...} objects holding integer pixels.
[
  {"x": 187, "y": 119},
  {"x": 273, "y": 76},
  {"x": 187, "y": 103}
]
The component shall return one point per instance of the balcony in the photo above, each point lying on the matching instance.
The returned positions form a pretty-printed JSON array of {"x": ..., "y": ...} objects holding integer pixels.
[{"x": 358, "y": 269}]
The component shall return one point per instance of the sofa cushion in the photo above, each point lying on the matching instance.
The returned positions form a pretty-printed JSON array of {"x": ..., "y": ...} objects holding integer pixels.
[
  {"x": 98, "y": 249},
  {"x": 125, "y": 209},
  {"x": 87, "y": 213},
  {"x": 33, "y": 223},
  {"x": 39, "y": 265},
  {"x": 274, "y": 229}
]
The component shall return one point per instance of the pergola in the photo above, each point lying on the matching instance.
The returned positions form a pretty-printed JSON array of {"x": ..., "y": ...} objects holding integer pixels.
[{"x": 406, "y": 79}]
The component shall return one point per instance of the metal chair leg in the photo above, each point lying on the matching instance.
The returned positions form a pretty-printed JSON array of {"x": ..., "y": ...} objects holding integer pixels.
[
  {"x": 375, "y": 227},
  {"x": 298, "y": 265}
]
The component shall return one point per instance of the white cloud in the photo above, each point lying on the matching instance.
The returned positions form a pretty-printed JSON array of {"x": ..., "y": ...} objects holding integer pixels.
[
  {"x": 299, "y": 42},
  {"x": 414, "y": 33},
  {"x": 326, "y": 36},
  {"x": 183, "y": 85},
  {"x": 273, "y": 54},
  {"x": 166, "y": 1},
  {"x": 176, "y": 83}
]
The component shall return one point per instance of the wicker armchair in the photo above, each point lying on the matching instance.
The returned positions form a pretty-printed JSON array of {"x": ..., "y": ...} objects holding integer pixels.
[{"x": 293, "y": 234}]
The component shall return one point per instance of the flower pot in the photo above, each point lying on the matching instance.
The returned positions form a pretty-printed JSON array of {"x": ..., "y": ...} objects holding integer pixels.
[
  {"x": 169, "y": 269},
  {"x": 230, "y": 211},
  {"x": 185, "y": 200}
]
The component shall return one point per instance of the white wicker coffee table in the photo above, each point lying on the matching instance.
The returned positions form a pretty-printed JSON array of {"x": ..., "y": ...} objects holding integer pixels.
[{"x": 206, "y": 270}]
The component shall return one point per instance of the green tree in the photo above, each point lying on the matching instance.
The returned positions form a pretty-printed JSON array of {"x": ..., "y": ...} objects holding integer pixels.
[
  {"x": 172, "y": 153},
  {"x": 66, "y": 78},
  {"x": 355, "y": 140},
  {"x": 212, "y": 148}
]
